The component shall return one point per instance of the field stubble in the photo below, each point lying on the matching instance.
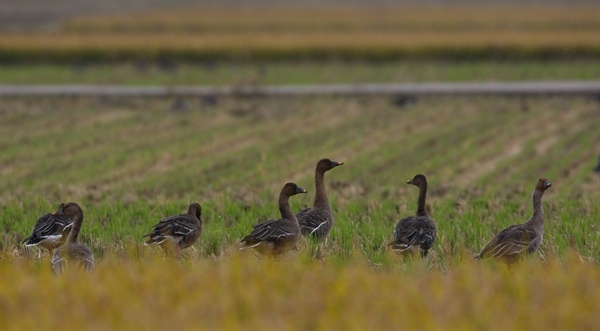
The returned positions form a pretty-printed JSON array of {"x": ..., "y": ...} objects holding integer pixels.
[{"x": 130, "y": 162}]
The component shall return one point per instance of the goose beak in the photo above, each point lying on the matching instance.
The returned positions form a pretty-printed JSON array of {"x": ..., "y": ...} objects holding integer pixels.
[
  {"x": 409, "y": 181},
  {"x": 547, "y": 184},
  {"x": 300, "y": 190}
]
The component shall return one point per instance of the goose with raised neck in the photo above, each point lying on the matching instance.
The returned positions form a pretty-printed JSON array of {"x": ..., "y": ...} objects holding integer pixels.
[
  {"x": 317, "y": 221},
  {"x": 49, "y": 231},
  {"x": 72, "y": 251},
  {"x": 276, "y": 236},
  {"x": 516, "y": 241},
  {"x": 177, "y": 232},
  {"x": 416, "y": 233}
]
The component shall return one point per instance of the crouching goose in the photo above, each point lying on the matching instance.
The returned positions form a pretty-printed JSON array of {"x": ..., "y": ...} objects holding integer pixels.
[{"x": 177, "y": 232}]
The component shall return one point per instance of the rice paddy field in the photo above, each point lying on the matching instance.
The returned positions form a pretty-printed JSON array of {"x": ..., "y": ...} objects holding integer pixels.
[{"x": 130, "y": 162}]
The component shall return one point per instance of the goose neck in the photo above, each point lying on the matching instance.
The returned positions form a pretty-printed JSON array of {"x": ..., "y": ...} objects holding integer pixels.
[
  {"x": 537, "y": 217},
  {"x": 321, "y": 199},
  {"x": 75, "y": 228},
  {"x": 284, "y": 207},
  {"x": 421, "y": 211}
]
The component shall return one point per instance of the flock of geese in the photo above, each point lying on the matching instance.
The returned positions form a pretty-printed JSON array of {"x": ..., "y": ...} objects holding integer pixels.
[{"x": 58, "y": 231}]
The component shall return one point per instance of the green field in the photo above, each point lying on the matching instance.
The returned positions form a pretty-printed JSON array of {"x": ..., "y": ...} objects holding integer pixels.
[
  {"x": 297, "y": 72},
  {"x": 131, "y": 162}
]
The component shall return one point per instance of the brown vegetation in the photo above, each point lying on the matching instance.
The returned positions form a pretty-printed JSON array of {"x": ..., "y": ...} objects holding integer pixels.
[{"x": 269, "y": 33}]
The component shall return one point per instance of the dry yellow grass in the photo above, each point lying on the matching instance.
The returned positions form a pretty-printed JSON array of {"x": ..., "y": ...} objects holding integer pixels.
[
  {"x": 347, "y": 18},
  {"x": 379, "y": 32},
  {"x": 239, "y": 292}
]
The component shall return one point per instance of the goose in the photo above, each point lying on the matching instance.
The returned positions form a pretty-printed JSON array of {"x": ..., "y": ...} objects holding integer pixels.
[
  {"x": 516, "y": 241},
  {"x": 177, "y": 232},
  {"x": 276, "y": 236},
  {"x": 416, "y": 233},
  {"x": 49, "y": 231},
  {"x": 72, "y": 251},
  {"x": 317, "y": 220}
]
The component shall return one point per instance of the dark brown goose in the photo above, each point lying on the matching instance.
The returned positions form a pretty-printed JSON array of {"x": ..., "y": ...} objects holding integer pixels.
[
  {"x": 72, "y": 251},
  {"x": 277, "y": 236},
  {"x": 516, "y": 241},
  {"x": 317, "y": 221},
  {"x": 177, "y": 232},
  {"x": 49, "y": 231},
  {"x": 416, "y": 233}
]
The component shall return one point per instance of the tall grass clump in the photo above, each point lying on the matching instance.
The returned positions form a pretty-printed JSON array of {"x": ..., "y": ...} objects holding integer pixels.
[{"x": 242, "y": 293}]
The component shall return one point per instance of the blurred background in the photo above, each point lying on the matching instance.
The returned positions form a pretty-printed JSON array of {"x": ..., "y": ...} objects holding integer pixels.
[
  {"x": 237, "y": 44},
  {"x": 293, "y": 42}
]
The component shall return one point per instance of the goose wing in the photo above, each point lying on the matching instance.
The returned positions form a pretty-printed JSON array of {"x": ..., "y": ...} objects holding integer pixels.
[
  {"x": 76, "y": 253},
  {"x": 302, "y": 213},
  {"x": 272, "y": 230},
  {"x": 313, "y": 221},
  {"x": 174, "y": 226},
  {"x": 47, "y": 226},
  {"x": 513, "y": 240},
  {"x": 414, "y": 230},
  {"x": 85, "y": 257}
]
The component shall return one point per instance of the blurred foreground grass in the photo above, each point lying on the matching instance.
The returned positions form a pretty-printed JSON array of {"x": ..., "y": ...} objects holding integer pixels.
[{"x": 242, "y": 293}]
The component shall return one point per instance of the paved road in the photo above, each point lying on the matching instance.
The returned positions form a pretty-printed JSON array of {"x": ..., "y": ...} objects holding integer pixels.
[{"x": 481, "y": 88}]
